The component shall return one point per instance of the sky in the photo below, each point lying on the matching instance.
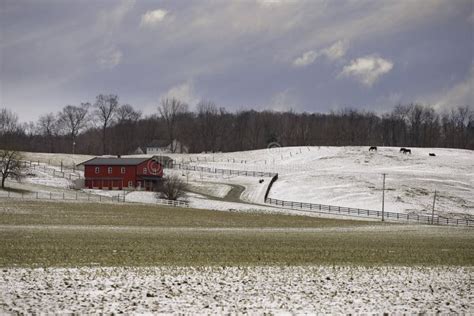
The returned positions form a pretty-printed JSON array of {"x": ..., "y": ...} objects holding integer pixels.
[{"x": 313, "y": 56}]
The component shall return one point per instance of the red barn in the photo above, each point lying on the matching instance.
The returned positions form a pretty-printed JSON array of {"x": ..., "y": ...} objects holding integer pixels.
[{"x": 122, "y": 173}]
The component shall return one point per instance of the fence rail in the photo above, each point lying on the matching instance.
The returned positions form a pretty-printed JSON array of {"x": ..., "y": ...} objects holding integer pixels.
[
  {"x": 222, "y": 171},
  {"x": 64, "y": 172},
  {"x": 61, "y": 196},
  {"x": 81, "y": 196},
  {"x": 390, "y": 216}
]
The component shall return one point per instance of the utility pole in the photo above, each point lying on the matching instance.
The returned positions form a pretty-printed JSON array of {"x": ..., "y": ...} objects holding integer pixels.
[
  {"x": 383, "y": 198},
  {"x": 432, "y": 211}
]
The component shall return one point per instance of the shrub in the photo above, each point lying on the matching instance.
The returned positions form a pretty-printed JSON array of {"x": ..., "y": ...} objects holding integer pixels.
[{"x": 171, "y": 188}]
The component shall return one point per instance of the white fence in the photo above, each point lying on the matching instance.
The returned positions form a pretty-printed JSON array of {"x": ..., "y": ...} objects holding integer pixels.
[
  {"x": 60, "y": 172},
  {"x": 81, "y": 196}
]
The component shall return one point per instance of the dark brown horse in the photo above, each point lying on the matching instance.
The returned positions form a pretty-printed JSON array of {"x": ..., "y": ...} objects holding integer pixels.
[
  {"x": 405, "y": 150},
  {"x": 373, "y": 148}
]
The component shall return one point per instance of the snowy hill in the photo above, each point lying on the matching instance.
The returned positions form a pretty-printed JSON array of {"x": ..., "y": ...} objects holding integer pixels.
[
  {"x": 343, "y": 176},
  {"x": 352, "y": 176}
]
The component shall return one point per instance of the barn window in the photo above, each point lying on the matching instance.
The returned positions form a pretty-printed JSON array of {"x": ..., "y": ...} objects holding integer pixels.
[
  {"x": 97, "y": 169},
  {"x": 145, "y": 170},
  {"x": 109, "y": 170},
  {"x": 130, "y": 184},
  {"x": 122, "y": 170}
]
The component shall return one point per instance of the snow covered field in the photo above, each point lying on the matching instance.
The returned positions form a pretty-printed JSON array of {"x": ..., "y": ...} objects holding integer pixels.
[
  {"x": 40, "y": 177},
  {"x": 341, "y": 176},
  {"x": 352, "y": 176},
  {"x": 221, "y": 290}
]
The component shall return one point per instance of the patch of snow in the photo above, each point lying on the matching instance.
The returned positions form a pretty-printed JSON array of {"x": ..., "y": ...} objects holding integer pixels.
[
  {"x": 37, "y": 176},
  {"x": 237, "y": 290}
]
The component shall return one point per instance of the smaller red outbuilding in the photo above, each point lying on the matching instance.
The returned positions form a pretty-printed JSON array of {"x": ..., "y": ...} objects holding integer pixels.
[{"x": 122, "y": 173}]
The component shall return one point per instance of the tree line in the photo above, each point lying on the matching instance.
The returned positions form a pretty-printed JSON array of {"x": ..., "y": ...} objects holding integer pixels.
[{"x": 109, "y": 127}]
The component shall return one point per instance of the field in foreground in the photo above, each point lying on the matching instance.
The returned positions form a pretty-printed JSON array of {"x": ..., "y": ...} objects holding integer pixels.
[
  {"x": 222, "y": 290},
  {"x": 103, "y": 258},
  {"x": 42, "y": 234}
]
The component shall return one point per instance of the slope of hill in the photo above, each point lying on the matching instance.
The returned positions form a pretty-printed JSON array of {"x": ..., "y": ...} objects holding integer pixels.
[
  {"x": 352, "y": 176},
  {"x": 346, "y": 176}
]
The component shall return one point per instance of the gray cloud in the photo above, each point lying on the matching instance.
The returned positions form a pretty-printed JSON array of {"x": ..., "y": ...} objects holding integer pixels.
[{"x": 237, "y": 53}]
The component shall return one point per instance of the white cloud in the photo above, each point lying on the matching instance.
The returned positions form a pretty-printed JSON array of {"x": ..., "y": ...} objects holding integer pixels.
[
  {"x": 335, "y": 51},
  {"x": 183, "y": 92},
  {"x": 108, "y": 20},
  {"x": 460, "y": 94},
  {"x": 109, "y": 58},
  {"x": 367, "y": 69},
  {"x": 284, "y": 101},
  {"x": 153, "y": 17},
  {"x": 306, "y": 59},
  {"x": 272, "y": 3}
]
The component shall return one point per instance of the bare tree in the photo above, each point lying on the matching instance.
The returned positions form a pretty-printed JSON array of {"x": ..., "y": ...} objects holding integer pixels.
[
  {"x": 48, "y": 127},
  {"x": 208, "y": 125},
  {"x": 73, "y": 120},
  {"x": 170, "y": 109},
  {"x": 171, "y": 188},
  {"x": 123, "y": 134},
  {"x": 10, "y": 165},
  {"x": 126, "y": 113},
  {"x": 8, "y": 121},
  {"x": 105, "y": 108}
]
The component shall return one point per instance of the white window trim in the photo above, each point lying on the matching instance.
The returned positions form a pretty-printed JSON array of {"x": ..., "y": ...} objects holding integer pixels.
[
  {"x": 122, "y": 170},
  {"x": 145, "y": 171},
  {"x": 109, "y": 170},
  {"x": 130, "y": 184},
  {"x": 97, "y": 170}
]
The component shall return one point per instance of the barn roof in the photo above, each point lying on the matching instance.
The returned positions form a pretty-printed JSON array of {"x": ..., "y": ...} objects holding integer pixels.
[{"x": 98, "y": 161}]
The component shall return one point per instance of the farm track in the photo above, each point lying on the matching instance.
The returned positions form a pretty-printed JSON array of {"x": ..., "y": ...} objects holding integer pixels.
[{"x": 232, "y": 196}]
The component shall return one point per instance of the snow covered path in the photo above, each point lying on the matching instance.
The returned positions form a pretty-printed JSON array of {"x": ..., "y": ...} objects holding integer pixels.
[{"x": 221, "y": 290}]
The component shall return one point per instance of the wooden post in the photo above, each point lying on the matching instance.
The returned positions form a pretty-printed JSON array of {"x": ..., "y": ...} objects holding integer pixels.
[
  {"x": 432, "y": 210},
  {"x": 383, "y": 198}
]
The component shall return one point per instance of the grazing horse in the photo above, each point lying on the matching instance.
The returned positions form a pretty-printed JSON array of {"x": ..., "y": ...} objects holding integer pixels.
[
  {"x": 405, "y": 150},
  {"x": 432, "y": 154},
  {"x": 373, "y": 148}
]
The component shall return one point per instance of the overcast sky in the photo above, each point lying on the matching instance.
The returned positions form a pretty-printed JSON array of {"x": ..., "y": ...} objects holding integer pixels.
[{"x": 313, "y": 56}]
